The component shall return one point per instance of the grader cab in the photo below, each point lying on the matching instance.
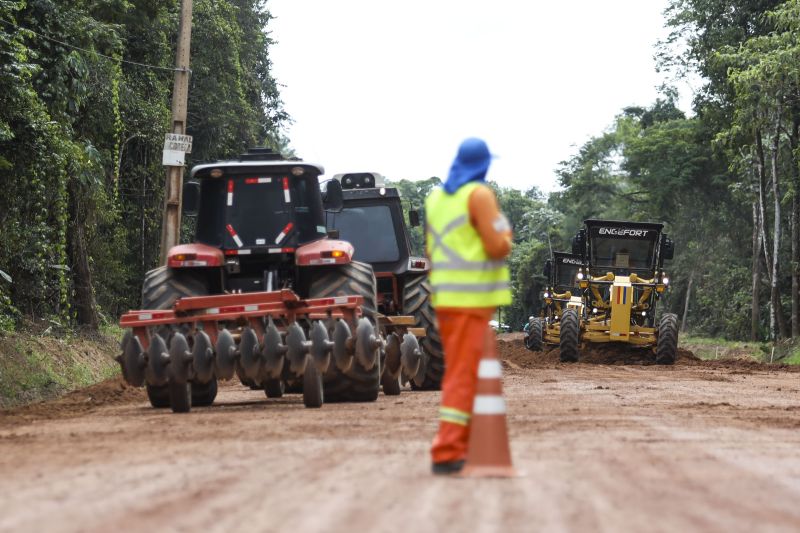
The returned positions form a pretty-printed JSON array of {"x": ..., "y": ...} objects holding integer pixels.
[
  {"x": 621, "y": 281},
  {"x": 562, "y": 292}
]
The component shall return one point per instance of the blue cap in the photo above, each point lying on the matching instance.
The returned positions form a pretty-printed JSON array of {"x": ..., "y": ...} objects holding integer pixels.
[{"x": 471, "y": 164}]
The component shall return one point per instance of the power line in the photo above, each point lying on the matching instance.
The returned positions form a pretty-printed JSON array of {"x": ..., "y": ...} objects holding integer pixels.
[{"x": 134, "y": 63}]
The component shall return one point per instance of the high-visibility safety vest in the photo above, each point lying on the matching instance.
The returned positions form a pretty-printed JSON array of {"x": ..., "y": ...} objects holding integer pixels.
[{"x": 462, "y": 274}]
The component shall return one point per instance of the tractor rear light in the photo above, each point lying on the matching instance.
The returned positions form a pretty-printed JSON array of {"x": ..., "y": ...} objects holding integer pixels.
[
  {"x": 332, "y": 253},
  {"x": 185, "y": 257},
  {"x": 417, "y": 263}
]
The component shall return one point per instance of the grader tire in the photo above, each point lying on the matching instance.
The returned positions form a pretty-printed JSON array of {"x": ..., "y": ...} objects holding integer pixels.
[
  {"x": 533, "y": 341},
  {"x": 417, "y": 302},
  {"x": 357, "y": 384},
  {"x": 667, "y": 344},
  {"x": 569, "y": 336}
]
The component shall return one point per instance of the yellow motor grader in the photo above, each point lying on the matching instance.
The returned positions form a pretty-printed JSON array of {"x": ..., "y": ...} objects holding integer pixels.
[
  {"x": 621, "y": 280},
  {"x": 561, "y": 293}
]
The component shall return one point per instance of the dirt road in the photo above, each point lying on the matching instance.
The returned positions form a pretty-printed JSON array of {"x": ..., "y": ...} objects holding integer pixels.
[{"x": 695, "y": 447}]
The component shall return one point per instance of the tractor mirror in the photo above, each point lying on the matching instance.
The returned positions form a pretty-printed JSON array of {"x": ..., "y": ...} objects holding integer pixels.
[
  {"x": 191, "y": 198},
  {"x": 413, "y": 218},
  {"x": 548, "y": 269},
  {"x": 333, "y": 199},
  {"x": 667, "y": 248}
]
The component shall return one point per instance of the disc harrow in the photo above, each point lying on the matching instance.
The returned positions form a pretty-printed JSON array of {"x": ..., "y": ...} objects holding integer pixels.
[{"x": 262, "y": 337}]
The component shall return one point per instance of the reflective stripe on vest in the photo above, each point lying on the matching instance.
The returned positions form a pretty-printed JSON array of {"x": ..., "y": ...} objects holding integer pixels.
[{"x": 462, "y": 274}]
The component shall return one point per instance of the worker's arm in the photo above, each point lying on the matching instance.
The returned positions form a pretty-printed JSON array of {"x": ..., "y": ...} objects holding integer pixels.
[{"x": 489, "y": 222}]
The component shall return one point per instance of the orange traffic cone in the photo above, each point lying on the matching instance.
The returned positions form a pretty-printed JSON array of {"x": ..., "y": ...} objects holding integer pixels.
[{"x": 488, "y": 454}]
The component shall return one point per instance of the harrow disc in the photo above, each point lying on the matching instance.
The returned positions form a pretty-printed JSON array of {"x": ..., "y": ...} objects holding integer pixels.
[
  {"x": 226, "y": 355},
  {"x": 203, "y": 357},
  {"x": 341, "y": 355},
  {"x": 297, "y": 348},
  {"x": 313, "y": 394},
  {"x": 249, "y": 354},
  {"x": 411, "y": 356},
  {"x": 273, "y": 352},
  {"x": 132, "y": 360},
  {"x": 393, "y": 358},
  {"x": 367, "y": 344},
  {"x": 180, "y": 359},
  {"x": 158, "y": 362},
  {"x": 321, "y": 347}
]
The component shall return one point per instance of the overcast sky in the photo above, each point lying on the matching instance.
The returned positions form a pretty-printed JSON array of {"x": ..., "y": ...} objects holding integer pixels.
[{"x": 393, "y": 87}]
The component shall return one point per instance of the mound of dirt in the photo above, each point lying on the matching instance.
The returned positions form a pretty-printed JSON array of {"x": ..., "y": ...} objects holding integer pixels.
[
  {"x": 110, "y": 392},
  {"x": 513, "y": 350}
]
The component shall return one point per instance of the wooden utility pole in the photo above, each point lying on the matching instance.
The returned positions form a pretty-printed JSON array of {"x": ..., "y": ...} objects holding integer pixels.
[{"x": 171, "y": 224}]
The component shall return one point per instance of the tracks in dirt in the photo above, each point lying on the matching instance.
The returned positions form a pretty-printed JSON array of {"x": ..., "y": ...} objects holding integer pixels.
[{"x": 634, "y": 448}]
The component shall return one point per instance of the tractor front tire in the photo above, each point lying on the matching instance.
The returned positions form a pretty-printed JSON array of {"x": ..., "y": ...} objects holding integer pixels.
[
  {"x": 569, "y": 336},
  {"x": 533, "y": 341},
  {"x": 417, "y": 302},
  {"x": 667, "y": 344},
  {"x": 357, "y": 384}
]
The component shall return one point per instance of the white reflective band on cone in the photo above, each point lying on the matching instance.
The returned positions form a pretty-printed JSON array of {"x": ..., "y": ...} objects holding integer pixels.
[
  {"x": 490, "y": 369},
  {"x": 489, "y": 405}
]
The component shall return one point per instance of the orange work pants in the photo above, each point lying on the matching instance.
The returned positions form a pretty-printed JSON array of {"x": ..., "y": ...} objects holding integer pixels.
[{"x": 463, "y": 335}]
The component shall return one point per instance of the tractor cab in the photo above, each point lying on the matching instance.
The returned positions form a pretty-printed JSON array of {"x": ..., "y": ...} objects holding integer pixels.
[
  {"x": 372, "y": 219},
  {"x": 564, "y": 273},
  {"x": 623, "y": 248},
  {"x": 253, "y": 214}
]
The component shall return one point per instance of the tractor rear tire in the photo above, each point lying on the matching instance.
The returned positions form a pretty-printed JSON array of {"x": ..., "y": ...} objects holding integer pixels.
[
  {"x": 158, "y": 396},
  {"x": 417, "y": 302},
  {"x": 204, "y": 394},
  {"x": 163, "y": 286},
  {"x": 180, "y": 397},
  {"x": 533, "y": 341},
  {"x": 569, "y": 336},
  {"x": 667, "y": 344},
  {"x": 354, "y": 279}
]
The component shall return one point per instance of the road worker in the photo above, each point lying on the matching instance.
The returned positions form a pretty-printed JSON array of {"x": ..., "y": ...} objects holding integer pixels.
[{"x": 467, "y": 239}]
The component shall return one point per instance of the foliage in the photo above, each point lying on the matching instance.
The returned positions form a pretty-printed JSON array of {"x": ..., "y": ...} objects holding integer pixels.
[{"x": 81, "y": 135}]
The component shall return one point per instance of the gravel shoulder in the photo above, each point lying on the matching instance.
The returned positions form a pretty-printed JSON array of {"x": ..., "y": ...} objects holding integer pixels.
[{"x": 603, "y": 447}]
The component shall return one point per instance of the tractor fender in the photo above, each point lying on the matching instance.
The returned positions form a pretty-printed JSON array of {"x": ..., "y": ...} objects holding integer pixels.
[
  {"x": 324, "y": 252},
  {"x": 194, "y": 255}
]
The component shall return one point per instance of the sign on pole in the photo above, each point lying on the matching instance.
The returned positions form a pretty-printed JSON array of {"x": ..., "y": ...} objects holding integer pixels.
[{"x": 175, "y": 149}]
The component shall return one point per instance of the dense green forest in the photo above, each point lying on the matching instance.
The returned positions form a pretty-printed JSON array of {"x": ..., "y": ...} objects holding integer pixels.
[
  {"x": 725, "y": 180},
  {"x": 85, "y": 90},
  {"x": 81, "y": 136}
]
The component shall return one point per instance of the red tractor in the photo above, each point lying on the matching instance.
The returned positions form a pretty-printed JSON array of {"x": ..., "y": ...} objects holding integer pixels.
[{"x": 263, "y": 294}]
